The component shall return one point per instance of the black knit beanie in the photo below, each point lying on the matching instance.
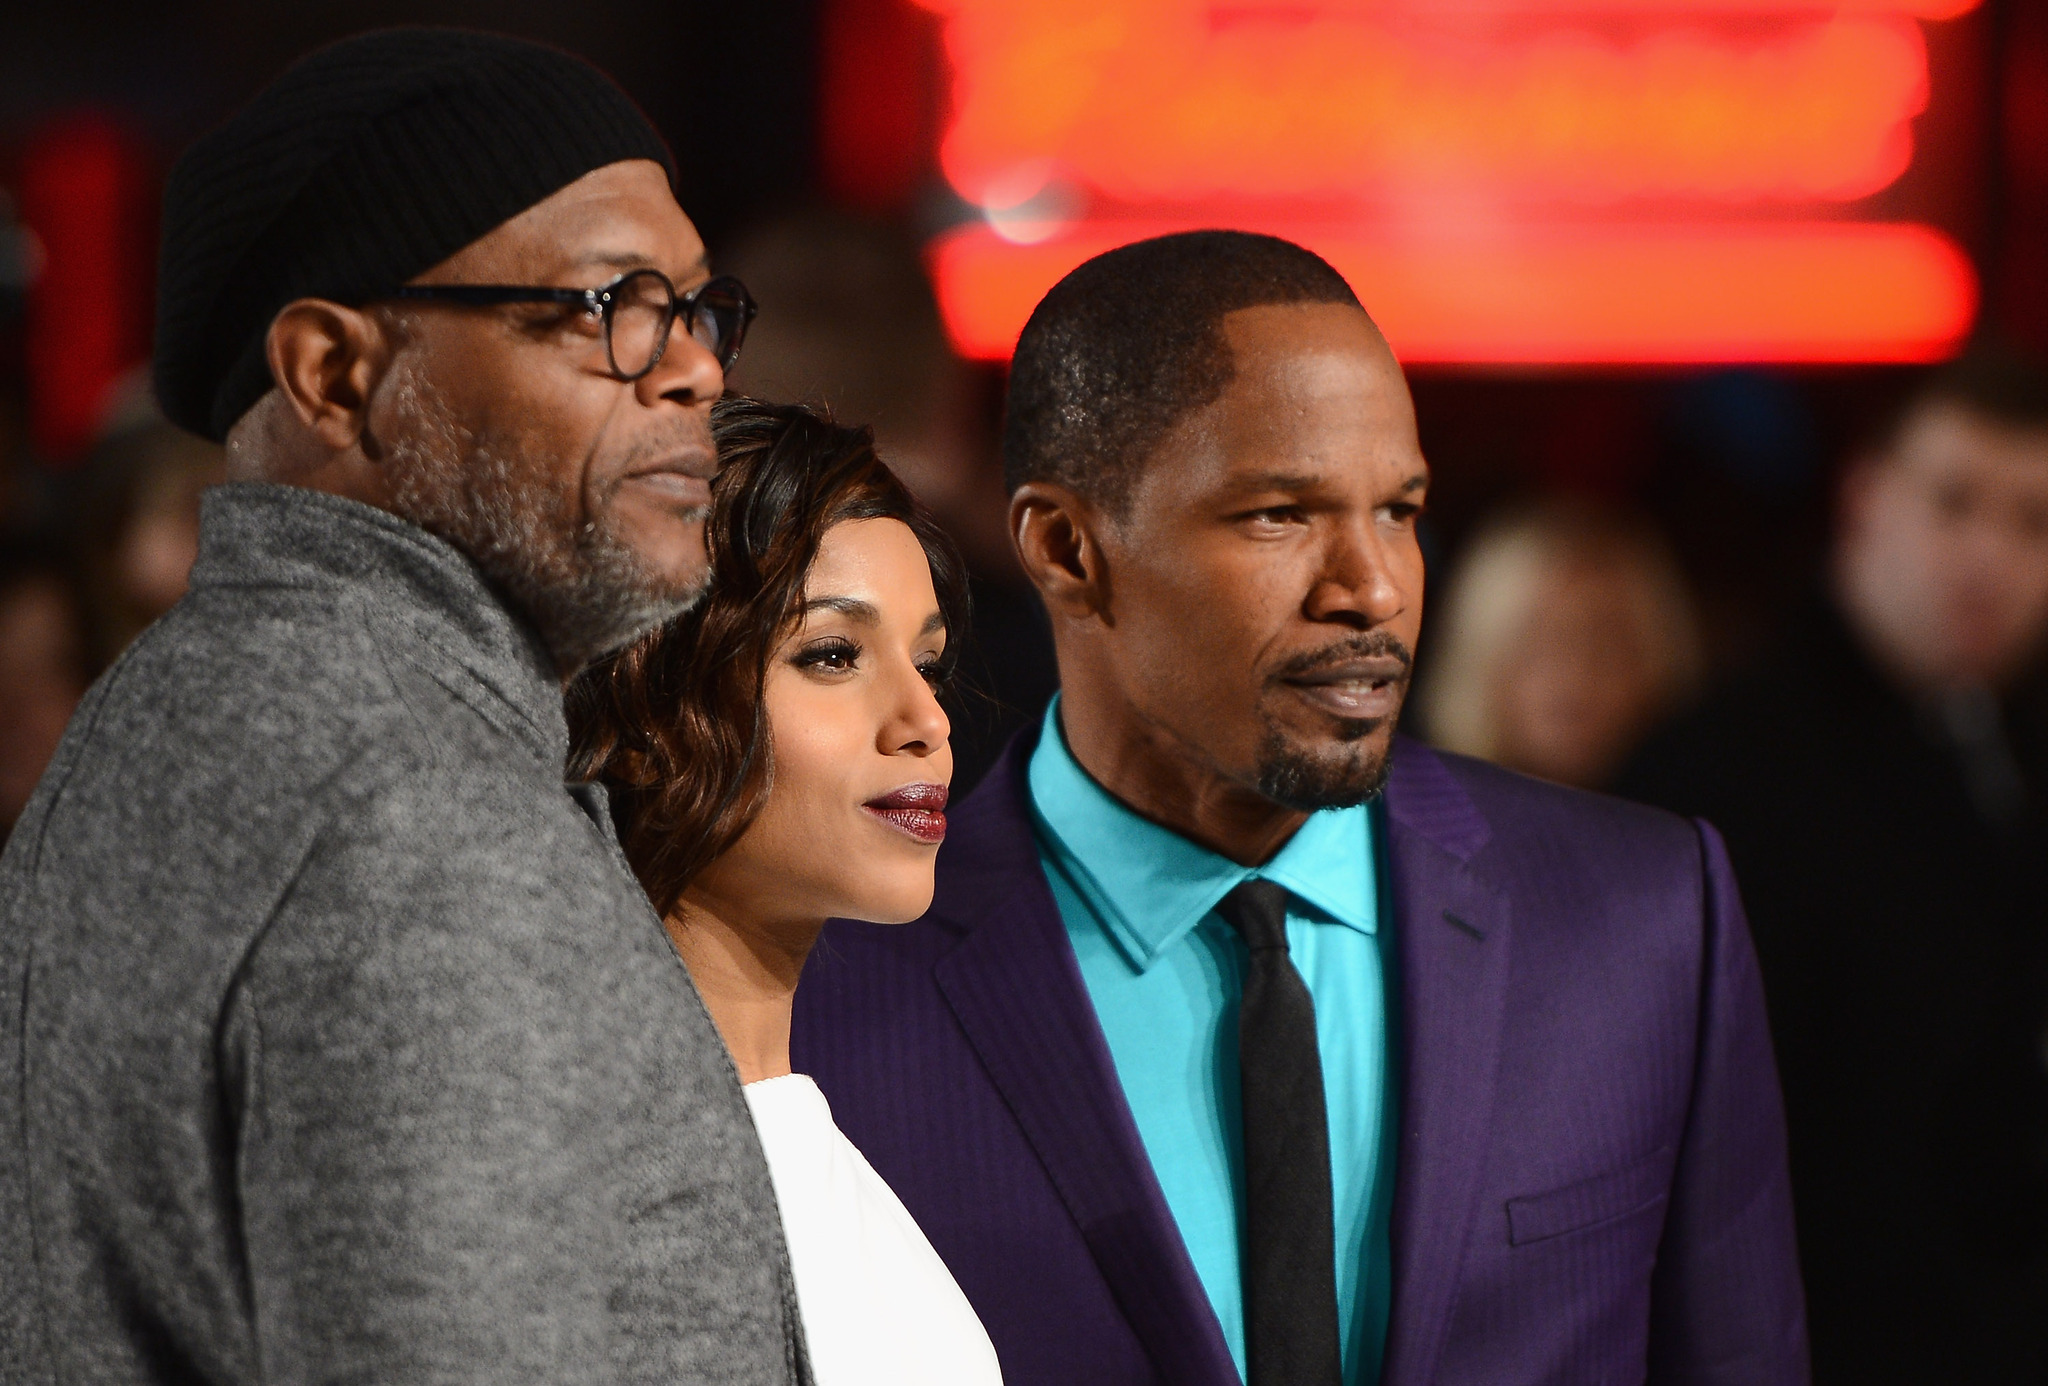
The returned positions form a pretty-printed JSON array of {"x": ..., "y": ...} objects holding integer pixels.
[{"x": 365, "y": 163}]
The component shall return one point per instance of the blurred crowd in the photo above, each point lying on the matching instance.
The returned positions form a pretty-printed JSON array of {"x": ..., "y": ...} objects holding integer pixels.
[
  {"x": 1870, "y": 736},
  {"x": 89, "y": 556},
  {"x": 1879, "y": 772},
  {"x": 1881, "y": 777}
]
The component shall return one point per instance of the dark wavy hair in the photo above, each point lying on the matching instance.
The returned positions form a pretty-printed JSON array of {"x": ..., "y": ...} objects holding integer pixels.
[{"x": 674, "y": 726}]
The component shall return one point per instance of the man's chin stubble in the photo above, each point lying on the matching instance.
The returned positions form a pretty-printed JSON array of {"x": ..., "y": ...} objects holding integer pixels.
[
  {"x": 618, "y": 597},
  {"x": 1307, "y": 781},
  {"x": 584, "y": 589}
]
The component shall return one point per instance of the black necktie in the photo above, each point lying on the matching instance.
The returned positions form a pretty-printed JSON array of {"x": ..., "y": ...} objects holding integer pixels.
[{"x": 1290, "y": 1264}]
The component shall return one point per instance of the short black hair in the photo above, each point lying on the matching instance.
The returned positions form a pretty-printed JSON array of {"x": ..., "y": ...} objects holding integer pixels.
[
  {"x": 1994, "y": 378},
  {"x": 1131, "y": 341}
]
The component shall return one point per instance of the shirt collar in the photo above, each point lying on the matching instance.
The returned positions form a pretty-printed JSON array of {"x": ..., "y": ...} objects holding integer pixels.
[{"x": 1150, "y": 885}]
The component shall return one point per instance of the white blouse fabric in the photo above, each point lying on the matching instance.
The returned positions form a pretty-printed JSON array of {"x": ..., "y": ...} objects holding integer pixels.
[{"x": 879, "y": 1306}]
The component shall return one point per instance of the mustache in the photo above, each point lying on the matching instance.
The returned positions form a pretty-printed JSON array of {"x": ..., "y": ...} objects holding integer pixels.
[
  {"x": 1376, "y": 644},
  {"x": 669, "y": 444},
  {"x": 670, "y": 441}
]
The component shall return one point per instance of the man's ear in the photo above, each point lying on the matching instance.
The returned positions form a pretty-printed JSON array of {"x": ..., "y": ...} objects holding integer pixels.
[
  {"x": 1057, "y": 535},
  {"x": 326, "y": 360}
]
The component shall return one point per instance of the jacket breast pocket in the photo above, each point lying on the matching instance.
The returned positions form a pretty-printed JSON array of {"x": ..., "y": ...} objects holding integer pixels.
[{"x": 1604, "y": 1198}]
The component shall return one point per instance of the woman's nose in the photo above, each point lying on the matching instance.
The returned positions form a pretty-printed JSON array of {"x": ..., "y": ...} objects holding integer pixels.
[{"x": 918, "y": 725}]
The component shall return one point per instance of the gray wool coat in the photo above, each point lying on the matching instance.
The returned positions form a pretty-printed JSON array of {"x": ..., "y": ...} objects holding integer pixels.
[{"x": 338, "y": 1042}]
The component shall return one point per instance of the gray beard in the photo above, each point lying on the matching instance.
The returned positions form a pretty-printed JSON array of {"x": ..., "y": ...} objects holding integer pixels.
[{"x": 582, "y": 586}]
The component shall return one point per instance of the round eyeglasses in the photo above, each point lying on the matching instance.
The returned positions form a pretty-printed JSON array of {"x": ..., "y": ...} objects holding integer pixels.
[{"x": 638, "y": 311}]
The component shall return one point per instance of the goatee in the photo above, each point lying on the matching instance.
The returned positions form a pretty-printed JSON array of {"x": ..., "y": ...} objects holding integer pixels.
[
  {"x": 1306, "y": 783},
  {"x": 1309, "y": 781}
]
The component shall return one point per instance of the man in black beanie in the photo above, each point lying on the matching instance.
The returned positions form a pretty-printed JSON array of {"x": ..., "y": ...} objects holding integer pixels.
[{"x": 339, "y": 1042}]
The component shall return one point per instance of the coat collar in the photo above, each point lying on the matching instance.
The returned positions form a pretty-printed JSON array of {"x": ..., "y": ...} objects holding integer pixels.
[
  {"x": 1450, "y": 953},
  {"x": 418, "y": 590},
  {"x": 1018, "y": 993}
]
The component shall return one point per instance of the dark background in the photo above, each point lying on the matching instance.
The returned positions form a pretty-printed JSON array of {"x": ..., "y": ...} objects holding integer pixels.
[
  {"x": 730, "y": 84},
  {"x": 1733, "y": 463}
]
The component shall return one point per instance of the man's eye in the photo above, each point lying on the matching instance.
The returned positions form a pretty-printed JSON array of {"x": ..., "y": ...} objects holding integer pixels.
[{"x": 576, "y": 319}]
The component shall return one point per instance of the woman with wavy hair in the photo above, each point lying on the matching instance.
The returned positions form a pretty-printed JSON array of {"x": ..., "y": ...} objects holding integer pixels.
[{"x": 777, "y": 756}]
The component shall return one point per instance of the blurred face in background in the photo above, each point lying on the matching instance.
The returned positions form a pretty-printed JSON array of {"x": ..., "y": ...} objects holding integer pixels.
[
  {"x": 1585, "y": 680},
  {"x": 1564, "y": 634},
  {"x": 854, "y": 322},
  {"x": 1943, "y": 559},
  {"x": 41, "y": 680},
  {"x": 158, "y": 548},
  {"x": 143, "y": 535}
]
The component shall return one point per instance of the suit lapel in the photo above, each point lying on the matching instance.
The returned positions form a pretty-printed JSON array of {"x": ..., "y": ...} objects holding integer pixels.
[
  {"x": 1451, "y": 941},
  {"x": 1016, "y": 988}
]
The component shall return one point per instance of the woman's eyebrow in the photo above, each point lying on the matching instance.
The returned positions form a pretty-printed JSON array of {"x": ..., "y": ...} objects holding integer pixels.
[
  {"x": 853, "y": 608},
  {"x": 934, "y": 622}
]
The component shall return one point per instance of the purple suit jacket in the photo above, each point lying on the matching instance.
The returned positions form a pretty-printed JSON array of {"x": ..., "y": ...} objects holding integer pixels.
[{"x": 1591, "y": 1183}]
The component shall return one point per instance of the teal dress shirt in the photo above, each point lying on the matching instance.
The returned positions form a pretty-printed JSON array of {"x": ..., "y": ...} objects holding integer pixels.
[{"x": 1165, "y": 972}]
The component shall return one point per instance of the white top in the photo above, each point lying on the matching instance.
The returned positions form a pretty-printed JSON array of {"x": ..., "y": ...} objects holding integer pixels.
[{"x": 879, "y": 1306}]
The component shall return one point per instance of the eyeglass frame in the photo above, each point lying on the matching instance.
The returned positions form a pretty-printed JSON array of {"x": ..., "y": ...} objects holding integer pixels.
[{"x": 601, "y": 300}]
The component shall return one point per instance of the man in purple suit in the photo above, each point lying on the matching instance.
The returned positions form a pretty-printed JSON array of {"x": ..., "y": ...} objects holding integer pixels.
[{"x": 1246, "y": 1040}]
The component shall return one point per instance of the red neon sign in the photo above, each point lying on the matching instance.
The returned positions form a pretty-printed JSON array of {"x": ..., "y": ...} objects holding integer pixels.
[
  {"x": 1340, "y": 104},
  {"x": 86, "y": 193},
  {"x": 1598, "y": 181},
  {"x": 1808, "y": 291}
]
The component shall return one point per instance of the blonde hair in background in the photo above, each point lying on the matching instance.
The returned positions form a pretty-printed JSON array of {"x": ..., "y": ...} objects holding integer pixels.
[{"x": 1479, "y": 624}]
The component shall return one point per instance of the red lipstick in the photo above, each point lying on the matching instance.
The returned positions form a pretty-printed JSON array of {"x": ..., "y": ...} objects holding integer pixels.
[{"x": 916, "y": 810}]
